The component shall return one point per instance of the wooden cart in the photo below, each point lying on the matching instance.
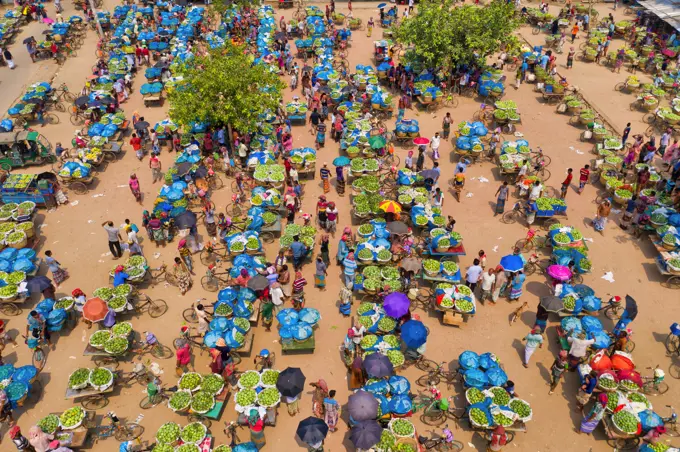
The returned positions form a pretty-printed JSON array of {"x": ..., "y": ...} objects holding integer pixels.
[
  {"x": 305, "y": 346},
  {"x": 92, "y": 399},
  {"x": 77, "y": 437},
  {"x": 616, "y": 440},
  {"x": 153, "y": 98}
]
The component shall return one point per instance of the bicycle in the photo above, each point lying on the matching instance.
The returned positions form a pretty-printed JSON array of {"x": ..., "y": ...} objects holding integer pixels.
[
  {"x": 432, "y": 412},
  {"x": 213, "y": 281},
  {"x": 189, "y": 314},
  {"x": 155, "y": 308},
  {"x": 236, "y": 208},
  {"x": 532, "y": 240},
  {"x": 139, "y": 374},
  {"x": 213, "y": 253},
  {"x": 186, "y": 336},
  {"x": 264, "y": 362},
  {"x": 247, "y": 183},
  {"x": 120, "y": 430},
  {"x": 672, "y": 341},
  {"x": 159, "y": 275},
  {"x": 157, "y": 350},
  {"x": 151, "y": 401},
  {"x": 442, "y": 442},
  {"x": 433, "y": 377},
  {"x": 484, "y": 114},
  {"x": 230, "y": 431},
  {"x": 539, "y": 155},
  {"x": 671, "y": 423},
  {"x": 39, "y": 357},
  {"x": 655, "y": 385}
]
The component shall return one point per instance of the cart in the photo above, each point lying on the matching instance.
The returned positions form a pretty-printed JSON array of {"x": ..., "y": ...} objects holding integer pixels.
[
  {"x": 24, "y": 148},
  {"x": 92, "y": 399},
  {"x": 274, "y": 228},
  {"x": 548, "y": 218},
  {"x": 103, "y": 359},
  {"x": 672, "y": 279},
  {"x": 77, "y": 437},
  {"x": 38, "y": 188},
  {"x": 454, "y": 251},
  {"x": 552, "y": 96},
  {"x": 429, "y": 105},
  {"x": 153, "y": 98},
  {"x": 616, "y": 440},
  {"x": 300, "y": 119},
  {"x": 78, "y": 185},
  {"x": 453, "y": 317},
  {"x": 308, "y": 345}
]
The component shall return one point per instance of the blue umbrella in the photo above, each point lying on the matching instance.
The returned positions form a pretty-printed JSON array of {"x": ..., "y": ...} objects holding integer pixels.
[
  {"x": 341, "y": 161},
  {"x": 382, "y": 5},
  {"x": 512, "y": 263},
  {"x": 413, "y": 333}
]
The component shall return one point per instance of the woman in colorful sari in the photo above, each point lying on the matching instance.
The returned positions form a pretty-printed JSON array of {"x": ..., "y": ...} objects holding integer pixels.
[
  {"x": 155, "y": 229},
  {"x": 331, "y": 411},
  {"x": 182, "y": 275},
  {"x": 320, "y": 274},
  {"x": 357, "y": 377},
  {"x": 592, "y": 419},
  {"x": 320, "y": 393},
  {"x": 256, "y": 426},
  {"x": 134, "y": 187},
  {"x": 516, "y": 285}
]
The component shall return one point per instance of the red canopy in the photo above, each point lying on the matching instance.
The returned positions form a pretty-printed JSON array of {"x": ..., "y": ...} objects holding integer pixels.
[{"x": 95, "y": 309}]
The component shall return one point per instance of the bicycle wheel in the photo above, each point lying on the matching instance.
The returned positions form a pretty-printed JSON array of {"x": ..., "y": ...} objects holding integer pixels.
[
  {"x": 148, "y": 403},
  {"x": 623, "y": 443},
  {"x": 267, "y": 237},
  {"x": 428, "y": 380},
  {"x": 545, "y": 174},
  {"x": 235, "y": 357},
  {"x": 39, "y": 358},
  {"x": 435, "y": 419},
  {"x": 672, "y": 343},
  {"x": 162, "y": 352},
  {"x": 208, "y": 257},
  {"x": 77, "y": 120},
  {"x": 190, "y": 315},
  {"x": 170, "y": 279},
  {"x": 529, "y": 268},
  {"x": 426, "y": 365},
  {"x": 94, "y": 402},
  {"x": 10, "y": 309},
  {"x": 234, "y": 210},
  {"x": 613, "y": 312},
  {"x": 510, "y": 217},
  {"x": 510, "y": 435},
  {"x": 51, "y": 118},
  {"x": 650, "y": 388},
  {"x": 105, "y": 361},
  {"x": 453, "y": 445},
  {"x": 59, "y": 107},
  {"x": 78, "y": 187},
  {"x": 524, "y": 245},
  {"x": 456, "y": 414},
  {"x": 535, "y": 30},
  {"x": 210, "y": 283},
  {"x": 216, "y": 182},
  {"x": 157, "y": 308},
  {"x": 143, "y": 379},
  {"x": 672, "y": 283},
  {"x": 577, "y": 279},
  {"x": 69, "y": 97},
  {"x": 672, "y": 429},
  {"x": 128, "y": 432}
]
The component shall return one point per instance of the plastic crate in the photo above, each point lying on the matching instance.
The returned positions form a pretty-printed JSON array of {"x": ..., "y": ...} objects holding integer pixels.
[
  {"x": 545, "y": 213},
  {"x": 560, "y": 209}
]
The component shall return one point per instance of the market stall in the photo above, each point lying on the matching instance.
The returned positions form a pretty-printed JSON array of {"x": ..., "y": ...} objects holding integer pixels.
[{"x": 296, "y": 329}]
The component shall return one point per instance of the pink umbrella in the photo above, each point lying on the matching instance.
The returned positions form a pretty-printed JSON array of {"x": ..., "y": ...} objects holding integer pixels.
[
  {"x": 48, "y": 21},
  {"x": 559, "y": 272},
  {"x": 421, "y": 141}
]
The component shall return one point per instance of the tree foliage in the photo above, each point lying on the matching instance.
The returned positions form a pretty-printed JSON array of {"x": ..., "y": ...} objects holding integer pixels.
[
  {"x": 224, "y": 88},
  {"x": 445, "y": 35},
  {"x": 220, "y": 6}
]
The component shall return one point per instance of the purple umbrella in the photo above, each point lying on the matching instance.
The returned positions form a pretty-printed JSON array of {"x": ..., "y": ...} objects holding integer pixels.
[
  {"x": 559, "y": 272},
  {"x": 365, "y": 435},
  {"x": 362, "y": 406},
  {"x": 396, "y": 304},
  {"x": 378, "y": 366}
]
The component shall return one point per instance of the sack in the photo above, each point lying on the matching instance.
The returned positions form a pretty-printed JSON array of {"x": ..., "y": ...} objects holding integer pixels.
[
  {"x": 600, "y": 361},
  {"x": 622, "y": 361}
]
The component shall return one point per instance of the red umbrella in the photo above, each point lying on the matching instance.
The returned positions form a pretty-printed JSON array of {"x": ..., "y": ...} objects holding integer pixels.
[
  {"x": 95, "y": 309},
  {"x": 421, "y": 141}
]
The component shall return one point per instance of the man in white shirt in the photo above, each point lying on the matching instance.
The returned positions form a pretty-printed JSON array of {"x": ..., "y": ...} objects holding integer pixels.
[
  {"x": 434, "y": 144},
  {"x": 473, "y": 274},
  {"x": 277, "y": 296},
  {"x": 358, "y": 331},
  {"x": 488, "y": 281},
  {"x": 522, "y": 173},
  {"x": 536, "y": 191},
  {"x": 579, "y": 347},
  {"x": 294, "y": 176}
]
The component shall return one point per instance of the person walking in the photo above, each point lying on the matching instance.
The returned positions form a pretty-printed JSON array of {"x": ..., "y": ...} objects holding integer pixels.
[
  {"x": 574, "y": 32},
  {"x": 584, "y": 176},
  {"x": 185, "y": 254},
  {"x": 557, "y": 369},
  {"x": 474, "y": 272},
  {"x": 350, "y": 267},
  {"x": 320, "y": 273},
  {"x": 183, "y": 358},
  {"x": 331, "y": 411},
  {"x": 325, "y": 174},
  {"x": 626, "y": 133},
  {"x": 566, "y": 183},
  {"x": 420, "y": 162},
  {"x": 501, "y": 198},
  {"x": 603, "y": 211},
  {"x": 434, "y": 144},
  {"x": 500, "y": 284},
  {"x": 516, "y": 286},
  {"x": 155, "y": 165},
  {"x": 7, "y": 55},
  {"x": 534, "y": 340},
  {"x": 570, "y": 57},
  {"x": 318, "y": 397},
  {"x": 114, "y": 239},
  {"x": 58, "y": 274},
  {"x": 488, "y": 281},
  {"x": 446, "y": 125}
]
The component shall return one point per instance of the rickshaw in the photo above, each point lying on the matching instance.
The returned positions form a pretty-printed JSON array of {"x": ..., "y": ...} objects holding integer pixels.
[
  {"x": 23, "y": 148},
  {"x": 380, "y": 50}
]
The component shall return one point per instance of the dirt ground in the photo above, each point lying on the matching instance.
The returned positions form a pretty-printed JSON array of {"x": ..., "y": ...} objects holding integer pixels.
[{"x": 74, "y": 234}]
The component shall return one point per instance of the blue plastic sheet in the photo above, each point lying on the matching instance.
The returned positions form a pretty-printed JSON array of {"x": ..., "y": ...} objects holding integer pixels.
[
  {"x": 468, "y": 360},
  {"x": 399, "y": 385},
  {"x": 400, "y": 404}
]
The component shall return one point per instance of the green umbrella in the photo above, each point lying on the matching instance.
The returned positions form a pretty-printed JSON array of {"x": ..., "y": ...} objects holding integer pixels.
[{"x": 377, "y": 142}]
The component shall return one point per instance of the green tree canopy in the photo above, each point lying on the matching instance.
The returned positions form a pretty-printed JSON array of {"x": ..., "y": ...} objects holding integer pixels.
[
  {"x": 224, "y": 88},
  {"x": 443, "y": 34}
]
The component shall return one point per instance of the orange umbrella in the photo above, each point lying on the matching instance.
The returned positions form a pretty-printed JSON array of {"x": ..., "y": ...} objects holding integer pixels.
[
  {"x": 95, "y": 309},
  {"x": 390, "y": 206}
]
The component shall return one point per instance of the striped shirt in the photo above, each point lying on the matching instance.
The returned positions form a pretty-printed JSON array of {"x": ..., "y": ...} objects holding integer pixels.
[
  {"x": 325, "y": 173},
  {"x": 299, "y": 284},
  {"x": 350, "y": 266}
]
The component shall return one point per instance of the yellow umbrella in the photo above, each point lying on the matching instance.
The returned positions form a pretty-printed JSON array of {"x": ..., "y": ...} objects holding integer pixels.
[{"x": 390, "y": 206}]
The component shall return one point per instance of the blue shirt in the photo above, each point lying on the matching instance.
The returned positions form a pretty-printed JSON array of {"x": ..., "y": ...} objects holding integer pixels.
[
  {"x": 220, "y": 136},
  {"x": 119, "y": 278},
  {"x": 298, "y": 249},
  {"x": 525, "y": 66},
  {"x": 590, "y": 387},
  {"x": 350, "y": 266}
]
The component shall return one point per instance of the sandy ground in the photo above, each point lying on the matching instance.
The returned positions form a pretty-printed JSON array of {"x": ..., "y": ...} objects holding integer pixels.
[{"x": 74, "y": 234}]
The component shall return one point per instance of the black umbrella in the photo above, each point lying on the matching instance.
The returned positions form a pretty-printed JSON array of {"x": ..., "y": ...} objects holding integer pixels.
[
  {"x": 346, "y": 90},
  {"x": 631, "y": 307},
  {"x": 38, "y": 284},
  {"x": 183, "y": 168},
  {"x": 280, "y": 36},
  {"x": 164, "y": 32},
  {"x": 306, "y": 68},
  {"x": 34, "y": 100},
  {"x": 552, "y": 304},
  {"x": 312, "y": 430},
  {"x": 141, "y": 125},
  {"x": 161, "y": 65},
  {"x": 258, "y": 282},
  {"x": 201, "y": 172},
  {"x": 377, "y": 365},
  {"x": 27, "y": 40},
  {"x": 82, "y": 100},
  {"x": 366, "y": 434},
  {"x": 185, "y": 220},
  {"x": 429, "y": 174},
  {"x": 325, "y": 89},
  {"x": 94, "y": 104},
  {"x": 291, "y": 381},
  {"x": 397, "y": 227},
  {"x": 362, "y": 406},
  {"x": 47, "y": 32}
]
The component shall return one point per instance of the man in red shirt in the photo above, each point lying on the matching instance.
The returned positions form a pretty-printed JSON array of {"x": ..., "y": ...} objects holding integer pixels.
[
  {"x": 566, "y": 183},
  {"x": 145, "y": 54},
  {"x": 136, "y": 144},
  {"x": 155, "y": 165},
  {"x": 138, "y": 54},
  {"x": 583, "y": 178}
]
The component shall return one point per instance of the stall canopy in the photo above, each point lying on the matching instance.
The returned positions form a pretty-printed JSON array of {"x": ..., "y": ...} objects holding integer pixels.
[{"x": 666, "y": 10}]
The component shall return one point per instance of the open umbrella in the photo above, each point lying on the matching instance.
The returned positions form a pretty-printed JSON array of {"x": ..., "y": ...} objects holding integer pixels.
[
  {"x": 82, "y": 100},
  {"x": 366, "y": 434},
  {"x": 306, "y": 68},
  {"x": 280, "y": 36},
  {"x": 512, "y": 263},
  {"x": 312, "y": 430},
  {"x": 141, "y": 125},
  {"x": 185, "y": 220},
  {"x": 429, "y": 174},
  {"x": 377, "y": 365},
  {"x": 411, "y": 264},
  {"x": 421, "y": 141},
  {"x": 390, "y": 206},
  {"x": 341, "y": 161},
  {"x": 631, "y": 308},
  {"x": 38, "y": 284},
  {"x": 325, "y": 89},
  {"x": 377, "y": 142},
  {"x": 27, "y": 40},
  {"x": 258, "y": 282},
  {"x": 183, "y": 168},
  {"x": 396, "y": 304},
  {"x": 380, "y": 6},
  {"x": 413, "y": 333},
  {"x": 362, "y": 406},
  {"x": 559, "y": 272},
  {"x": 291, "y": 381},
  {"x": 34, "y": 100},
  {"x": 397, "y": 227},
  {"x": 552, "y": 303},
  {"x": 95, "y": 309}
]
